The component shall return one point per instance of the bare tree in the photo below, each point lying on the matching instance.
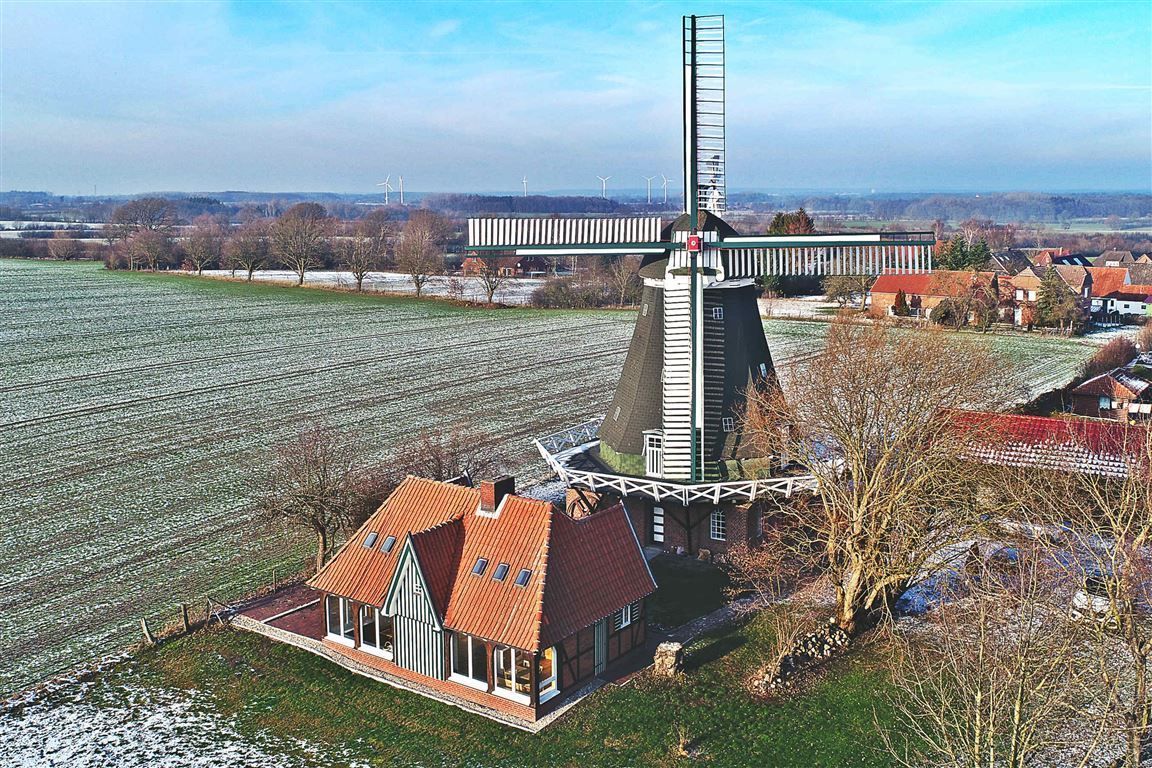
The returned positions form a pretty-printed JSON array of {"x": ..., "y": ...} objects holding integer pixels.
[
  {"x": 623, "y": 274},
  {"x": 419, "y": 254},
  {"x": 204, "y": 245},
  {"x": 300, "y": 236},
  {"x": 247, "y": 248},
  {"x": 150, "y": 247},
  {"x": 314, "y": 482},
  {"x": 63, "y": 246},
  {"x": 992, "y": 680},
  {"x": 490, "y": 278},
  {"x": 361, "y": 251},
  {"x": 846, "y": 289},
  {"x": 147, "y": 213},
  {"x": 1106, "y": 532},
  {"x": 866, "y": 416}
]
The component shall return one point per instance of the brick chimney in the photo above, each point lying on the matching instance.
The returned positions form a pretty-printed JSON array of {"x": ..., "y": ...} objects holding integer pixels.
[{"x": 492, "y": 492}]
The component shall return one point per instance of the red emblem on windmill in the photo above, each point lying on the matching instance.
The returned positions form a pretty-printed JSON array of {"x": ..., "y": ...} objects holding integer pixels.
[{"x": 694, "y": 243}]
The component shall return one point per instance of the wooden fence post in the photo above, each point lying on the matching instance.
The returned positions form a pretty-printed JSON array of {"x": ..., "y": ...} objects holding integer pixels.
[
  {"x": 148, "y": 638},
  {"x": 184, "y": 616}
]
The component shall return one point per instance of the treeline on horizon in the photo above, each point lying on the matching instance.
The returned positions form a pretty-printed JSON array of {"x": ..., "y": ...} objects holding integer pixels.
[{"x": 1002, "y": 207}]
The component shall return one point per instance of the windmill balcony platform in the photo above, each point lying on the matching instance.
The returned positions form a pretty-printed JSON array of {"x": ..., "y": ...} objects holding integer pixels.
[{"x": 570, "y": 454}]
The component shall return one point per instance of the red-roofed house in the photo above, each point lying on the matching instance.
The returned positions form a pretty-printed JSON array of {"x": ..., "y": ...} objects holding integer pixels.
[
  {"x": 1115, "y": 296},
  {"x": 484, "y": 595},
  {"x": 1089, "y": 446},
  {"x": 1118, "y": 394},
  {"x": 925, "y": 290}
]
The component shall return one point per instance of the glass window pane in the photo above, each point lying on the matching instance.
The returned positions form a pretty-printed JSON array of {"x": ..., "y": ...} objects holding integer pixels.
[
  {"x": 500, "y": 572},
  {"x": 368, "y": 626},
  {"x": 547, "y": 669},
  {"x": 504, "y": 668},
  {"x": 333, "y": 603},
  {"x": 386, "y": 632},
  {"x": 460, "y": 653},
  {"x": 479, "y": 661},
  {"x": 523, "y": 673},
  {"x": 349, "y": 619}
]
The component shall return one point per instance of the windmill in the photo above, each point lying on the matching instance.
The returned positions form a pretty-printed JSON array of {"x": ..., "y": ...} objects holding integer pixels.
[
  {"x": 669, "y": 442},
  {"x": 649, "y": 180},
  {"x": 604, "y": 186},
  {"x": 387, "y": 187}
]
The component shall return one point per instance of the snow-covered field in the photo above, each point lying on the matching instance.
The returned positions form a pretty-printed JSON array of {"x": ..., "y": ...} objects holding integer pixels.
[
  {"x": 510, "y": 291},
  {"x": 134, "y": 409}
]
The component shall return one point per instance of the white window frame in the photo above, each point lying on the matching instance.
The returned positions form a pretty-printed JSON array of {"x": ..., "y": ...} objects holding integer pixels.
[
  {"x": 511, "y": 695},
  {"x": 728, "y": 423},
  {"x": 718, "y": 525},
  {"x": 717, "y": 313},
  {"x": 546, "y": 688},
  {"x": 658, "y": 525},
  {"x": 468, "y": 680},
  {"x": 626, "y": 616},
  {"x": 339, "y": 637}
]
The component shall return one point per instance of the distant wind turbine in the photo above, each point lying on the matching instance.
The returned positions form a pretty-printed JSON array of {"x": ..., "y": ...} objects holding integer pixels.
[
  {"x": 524, "y": 181},
  {"x": 387, "y": 187},
  {"x": 649, "y": 180},
  {"x": 604, "y": 186},
  {"x": 665, "y": 188},
  {"x": 401, "y": 190}
]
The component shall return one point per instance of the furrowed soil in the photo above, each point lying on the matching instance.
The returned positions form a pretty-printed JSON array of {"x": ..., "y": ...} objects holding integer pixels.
[{"x": 136, "y": 408}]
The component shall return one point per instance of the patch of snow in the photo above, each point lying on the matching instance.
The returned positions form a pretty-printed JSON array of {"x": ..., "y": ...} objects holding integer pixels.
[{"x": 132, "y": 726}]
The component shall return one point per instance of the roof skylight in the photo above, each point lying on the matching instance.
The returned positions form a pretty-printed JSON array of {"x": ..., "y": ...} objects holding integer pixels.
[
  {"x": 389, "y": 542},
  {"x": 481, "y": 564},
  {"x": 370, "y": 540},
  {"x": 522, "y": 577},
  {"x": 501, "y": 572}
]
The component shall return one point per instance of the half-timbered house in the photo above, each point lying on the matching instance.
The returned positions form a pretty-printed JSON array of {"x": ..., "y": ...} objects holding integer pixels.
[{"x": 487, "y": 596}]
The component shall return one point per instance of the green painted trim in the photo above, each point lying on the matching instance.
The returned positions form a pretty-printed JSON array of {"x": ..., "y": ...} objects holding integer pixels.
[{"x": 625, "y": 463}]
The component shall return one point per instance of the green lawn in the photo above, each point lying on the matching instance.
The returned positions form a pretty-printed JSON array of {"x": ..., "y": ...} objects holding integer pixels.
[{"x": 280, "y": 690}]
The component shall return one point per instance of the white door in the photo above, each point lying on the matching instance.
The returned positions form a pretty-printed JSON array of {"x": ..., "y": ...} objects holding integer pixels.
[
  {"x": 658, "y": 525},
  {"x": 653, "y": 455}
]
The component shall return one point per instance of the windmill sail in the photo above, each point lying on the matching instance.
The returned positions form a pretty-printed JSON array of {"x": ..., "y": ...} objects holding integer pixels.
[{"x": 704, "y": 187}]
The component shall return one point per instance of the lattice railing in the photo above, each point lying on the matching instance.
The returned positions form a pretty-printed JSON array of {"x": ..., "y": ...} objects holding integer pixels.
[{"x": 556, "y": 449}]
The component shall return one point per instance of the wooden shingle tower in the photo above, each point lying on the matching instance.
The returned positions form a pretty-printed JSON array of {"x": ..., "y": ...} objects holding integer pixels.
[{"x": 670, "y": 442}]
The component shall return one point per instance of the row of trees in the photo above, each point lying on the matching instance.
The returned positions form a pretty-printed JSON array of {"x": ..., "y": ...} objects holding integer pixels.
[
  {"x": 1008, "y": 677},
  {"x": 144, "y": 234}
]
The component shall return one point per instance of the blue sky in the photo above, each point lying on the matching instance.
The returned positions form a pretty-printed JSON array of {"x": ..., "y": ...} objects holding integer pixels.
[{"x": 470, "y": 96}]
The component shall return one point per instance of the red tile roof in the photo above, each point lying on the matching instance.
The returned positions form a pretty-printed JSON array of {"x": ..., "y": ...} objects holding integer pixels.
[
  {"x": 363, "y": 574},
  {"x": 1106, "y": 280},
  {"x": 1092, "y": 446},
  {"x": 581, "y": 570},
  {"x": 942, "y": 282}
]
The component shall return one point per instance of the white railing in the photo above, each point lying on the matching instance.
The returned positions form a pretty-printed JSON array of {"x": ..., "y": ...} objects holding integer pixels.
[{"x": 559, "y": 447}]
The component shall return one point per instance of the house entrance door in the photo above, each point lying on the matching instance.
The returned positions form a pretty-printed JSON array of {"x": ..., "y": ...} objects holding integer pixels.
[{"x": 600, "y": 646}]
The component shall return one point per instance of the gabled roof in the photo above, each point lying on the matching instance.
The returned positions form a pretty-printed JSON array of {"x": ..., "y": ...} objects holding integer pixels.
[
  {"x": 363, "y": 574},
  {"x": 1010, "y": 261},
  {"x": 1103, "y": 447},
  {"x": 1106, "y": 280},
  {"x": 1114, "y": 257},
  {"x": 1117, "y": 383},
  {"x": 942, "y": 282},
  {"x": 579, "y": 570}
]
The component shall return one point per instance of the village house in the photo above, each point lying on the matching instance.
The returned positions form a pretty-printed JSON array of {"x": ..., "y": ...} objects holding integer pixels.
[
  {"x": 1020, "y": 292},
  {"x": 1062, "y": 444},
  {"x": 1123, "y": 394},
  {"x": 1114, "y": 259},
  {"x": 924, "y": 291},
  {"x": 484, "y": 598},
  {"x": 1115, "y": 298},
  {"x": 1044, "y": 257},
  {"x": 505, "y": 266}
]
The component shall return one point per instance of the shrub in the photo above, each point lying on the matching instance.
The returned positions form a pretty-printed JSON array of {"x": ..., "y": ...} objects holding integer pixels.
[
  {"x": 1116, "y": 353},
  {"x": 570, "y": 293},
  {"x": 1144, "y": 338}
]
